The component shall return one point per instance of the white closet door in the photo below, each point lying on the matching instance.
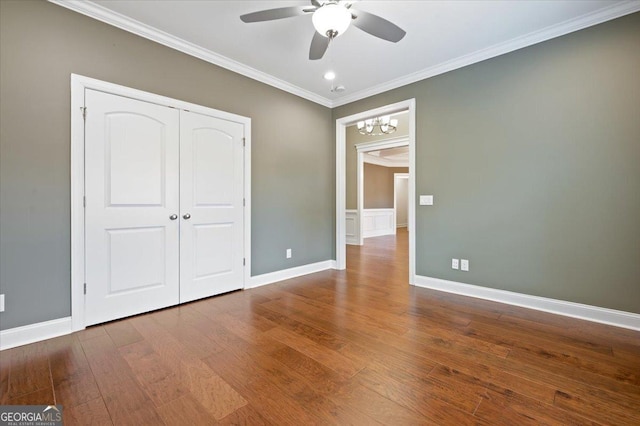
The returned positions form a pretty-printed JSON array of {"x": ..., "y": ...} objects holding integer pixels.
[
  {"x": 132, "y": 161},
  {"x": 211, "y": 206}
]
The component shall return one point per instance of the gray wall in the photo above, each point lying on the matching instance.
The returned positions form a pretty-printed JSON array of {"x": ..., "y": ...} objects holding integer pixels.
[
  {"x": 534, "y": 161},
  {"x": 41, "y": 44},
  {"x": 378, "y": 185}
]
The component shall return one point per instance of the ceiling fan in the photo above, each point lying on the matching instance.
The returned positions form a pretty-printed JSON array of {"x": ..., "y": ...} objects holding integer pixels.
[{"x": 331, "y": 18}]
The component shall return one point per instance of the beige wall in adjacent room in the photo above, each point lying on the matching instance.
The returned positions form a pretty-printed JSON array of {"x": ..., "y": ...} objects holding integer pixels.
[{"x": 378, "y": 185}]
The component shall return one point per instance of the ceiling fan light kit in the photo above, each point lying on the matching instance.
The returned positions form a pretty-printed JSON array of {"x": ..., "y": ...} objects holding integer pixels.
[{"x": 331, "y": 20}]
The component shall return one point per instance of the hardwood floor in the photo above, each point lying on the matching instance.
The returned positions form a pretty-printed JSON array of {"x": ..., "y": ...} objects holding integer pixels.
[{"x": 352, "y": 347}]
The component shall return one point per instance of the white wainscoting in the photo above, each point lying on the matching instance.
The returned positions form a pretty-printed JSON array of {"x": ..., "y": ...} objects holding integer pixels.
[
  {"x": 377, "y": 222},
  {"x": 352, "y": 227}
]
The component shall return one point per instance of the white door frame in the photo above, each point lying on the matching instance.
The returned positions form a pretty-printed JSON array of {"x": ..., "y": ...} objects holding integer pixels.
[
  {"x": 78, "y": 85},
  {"x": 341, "y": 136},
  {"x": 396, "y": 177},
  {"x": 363, "y": 148}
]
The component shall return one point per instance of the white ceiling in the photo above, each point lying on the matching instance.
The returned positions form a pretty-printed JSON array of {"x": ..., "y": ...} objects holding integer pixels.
[{"x": 441, "y": 36}]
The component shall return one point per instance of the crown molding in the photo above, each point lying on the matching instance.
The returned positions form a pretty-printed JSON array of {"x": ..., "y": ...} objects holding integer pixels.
[
  {"x": 402, "y": 140},
  {"x": 118, "y": 20},
  {"x": 107, "y": 16},
  {"x": 384, "y": 162},
  {"x": 597, "y": 17}
]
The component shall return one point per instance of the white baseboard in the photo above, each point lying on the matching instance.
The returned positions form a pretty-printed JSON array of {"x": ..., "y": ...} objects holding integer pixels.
[
  {"x": 285, "y": 274},
  {"x": 59, "y": 327},
  {"x": 570, "y": 309},
  {"x": 31, "y": 333}
]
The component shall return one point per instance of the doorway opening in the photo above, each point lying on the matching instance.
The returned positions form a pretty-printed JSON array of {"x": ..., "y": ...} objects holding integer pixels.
[
  {"x": 376, "y": 165},
  {"x": 351, "y": 224}
]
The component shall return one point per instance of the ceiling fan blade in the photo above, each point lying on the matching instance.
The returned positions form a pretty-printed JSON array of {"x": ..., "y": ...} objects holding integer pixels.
[
  {"x": 377, "y": 26},
  {"x": 271, "y": 14},
  {"x": 316, "y": 3},
  {"x": 319, "y": 45}
]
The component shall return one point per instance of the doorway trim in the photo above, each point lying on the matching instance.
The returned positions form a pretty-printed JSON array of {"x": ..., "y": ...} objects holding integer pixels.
[
  {"x": 362, "y": 149},
  {"x": 78, "y": 86},
  {"x": 341, "y": 126}
]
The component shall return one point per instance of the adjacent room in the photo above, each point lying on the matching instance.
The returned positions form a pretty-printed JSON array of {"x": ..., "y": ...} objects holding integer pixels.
[{"x": 320, "y": 212}]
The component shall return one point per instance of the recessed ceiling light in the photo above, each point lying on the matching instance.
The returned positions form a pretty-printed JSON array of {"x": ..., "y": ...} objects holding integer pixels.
[{"x": 329, "y": 75}]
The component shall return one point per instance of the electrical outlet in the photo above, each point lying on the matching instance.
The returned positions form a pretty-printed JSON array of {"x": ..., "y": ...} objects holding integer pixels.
[
  {"x": 454, "y": 264},
  {"x": 288, "y": 253},
  {"x": 464, "y": 265},
  {"x": 1, "y": 302}
]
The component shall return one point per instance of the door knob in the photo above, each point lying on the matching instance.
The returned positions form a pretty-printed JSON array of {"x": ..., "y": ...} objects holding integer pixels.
[
  {"x": 173, "y": 217},
  {"x": 186, "y": 216}
]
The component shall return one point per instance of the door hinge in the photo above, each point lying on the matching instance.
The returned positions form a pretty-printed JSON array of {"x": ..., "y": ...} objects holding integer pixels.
[
  {"x": 84, "y": 112},
  {"x": 244, "y": 261},
  {"x": 85, "y": 288},
  {"x": 244, "y": 202},
  {"x": 84, "y": 201},
  {"x": 244, "y": 142}
]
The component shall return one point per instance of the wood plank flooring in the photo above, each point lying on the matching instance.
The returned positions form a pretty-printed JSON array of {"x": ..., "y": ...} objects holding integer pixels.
[{"x": 354, "y": 347}]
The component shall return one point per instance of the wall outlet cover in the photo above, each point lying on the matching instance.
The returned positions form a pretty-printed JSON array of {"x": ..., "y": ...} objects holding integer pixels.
[
  {"x": 464, "y": 265},
  {"x": 454, "y": 264},
  {"x": 1, "y": 302},
  {"x": 288, "y": 254}
]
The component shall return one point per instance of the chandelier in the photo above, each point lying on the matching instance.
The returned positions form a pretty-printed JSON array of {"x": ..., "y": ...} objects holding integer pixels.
[{"x": 376, "y": 126}]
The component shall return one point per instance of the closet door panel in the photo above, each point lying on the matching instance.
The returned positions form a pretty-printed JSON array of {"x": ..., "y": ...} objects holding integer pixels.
[
  {"x": 211, "y": 206},
  {"x": 132, "y": 189}
]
